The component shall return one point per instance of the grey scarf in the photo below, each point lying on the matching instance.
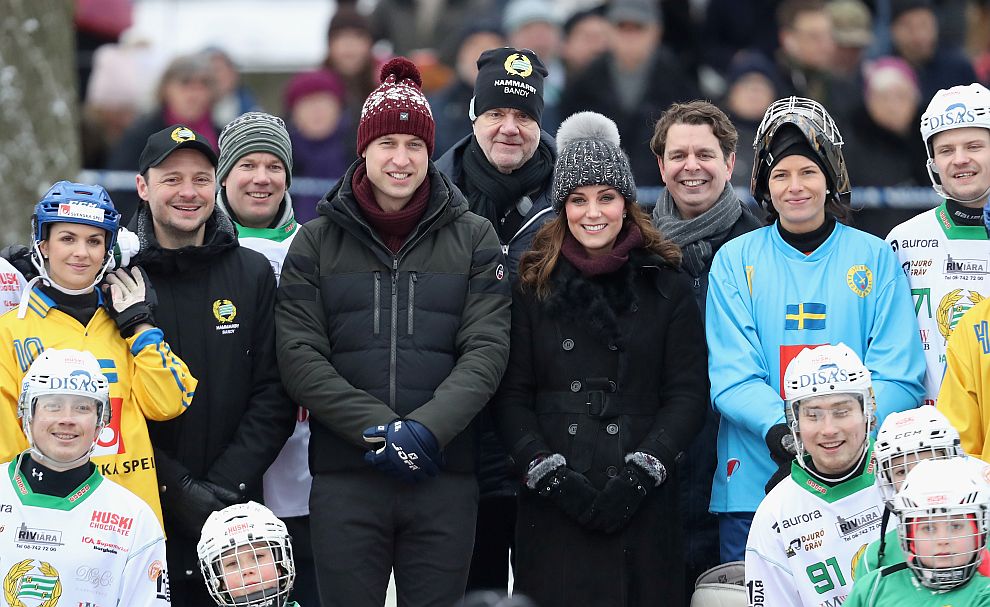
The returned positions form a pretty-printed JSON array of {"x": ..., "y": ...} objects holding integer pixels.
[{"x": 695, "y": 236}]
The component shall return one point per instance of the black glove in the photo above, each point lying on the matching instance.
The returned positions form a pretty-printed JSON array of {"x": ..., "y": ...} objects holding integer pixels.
[
  {"x": 780, "y": 442},
  {"x": 19, "y": 256},
  {"x": 131, "y": 299},
  {"x": 620, "y": 499},
  {"x": 198, "y": 499},
  {"x": 571, "y": 491},
  {"x": 405, "y": 449}
]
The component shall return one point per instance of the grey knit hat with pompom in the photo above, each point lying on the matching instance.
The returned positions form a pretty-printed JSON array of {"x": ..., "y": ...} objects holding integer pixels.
[{"x": 588, "y": 153}]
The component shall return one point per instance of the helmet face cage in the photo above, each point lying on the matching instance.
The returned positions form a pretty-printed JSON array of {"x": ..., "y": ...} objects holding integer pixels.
[
  {"x": 821, "y": 133},
  {"x": 74, "y": 203},
  {"x": 908, "y": 437},
  {"x": 823, "y": 371},
  {"x": 947, "y": 500},
  {"x": 64, "y": 372},
  {"x": 247, "y": 545},
  {"x": 953, "y": 108}
]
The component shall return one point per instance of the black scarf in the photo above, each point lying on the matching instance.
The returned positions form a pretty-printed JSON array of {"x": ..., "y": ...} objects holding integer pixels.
[{"x": 492, "y": 194}]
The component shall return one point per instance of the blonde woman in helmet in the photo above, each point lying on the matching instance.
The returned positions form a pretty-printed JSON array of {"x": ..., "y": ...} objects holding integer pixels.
[
  {"x": 245, "y": 555},
  {"x": 806, "y": 279},
  {"x": 942, "y": 507},
  {"x": 810, "y": 526},
  {"x": 61, "y": 514}
]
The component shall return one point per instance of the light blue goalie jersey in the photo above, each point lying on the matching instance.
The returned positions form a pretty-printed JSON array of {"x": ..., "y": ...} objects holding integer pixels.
[{"x": 766, "y": 302}]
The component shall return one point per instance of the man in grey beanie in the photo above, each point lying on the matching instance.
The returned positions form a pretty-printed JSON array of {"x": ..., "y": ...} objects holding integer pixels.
[{"x": 254, "y": 171}]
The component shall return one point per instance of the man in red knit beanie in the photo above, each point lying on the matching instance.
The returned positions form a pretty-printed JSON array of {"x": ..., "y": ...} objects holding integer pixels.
[{"x": 393, "y": 330}]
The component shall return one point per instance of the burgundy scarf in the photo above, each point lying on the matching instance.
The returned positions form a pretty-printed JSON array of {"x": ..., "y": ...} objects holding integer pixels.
[
  {"x": 629, "y": 238},
  {"x": 393, "y": 228}
]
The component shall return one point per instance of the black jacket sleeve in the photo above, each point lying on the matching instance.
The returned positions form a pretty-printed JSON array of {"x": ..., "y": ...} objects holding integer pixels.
[{"x": 269, "y": 416}]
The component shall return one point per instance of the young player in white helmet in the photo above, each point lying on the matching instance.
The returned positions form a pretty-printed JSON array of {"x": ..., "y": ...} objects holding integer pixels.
[
  {"x": 60, "y": 513},
  {"x": 904, "y": 439},
  {"x": 936, "y": 247},
  {"x": 245, "y": 554},
  {"x": 809, "y": 527},
  {"x": 943, "y": 534}
]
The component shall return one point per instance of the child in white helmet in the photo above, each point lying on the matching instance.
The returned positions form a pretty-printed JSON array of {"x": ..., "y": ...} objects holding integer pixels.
[
  {"x": 809, "y": 527},
  {"x": 904, "y": 439},
  {"x": 60, "y": 514},
  {"x": 942, "y": 507},
  {"x": 245, "y": 554}
]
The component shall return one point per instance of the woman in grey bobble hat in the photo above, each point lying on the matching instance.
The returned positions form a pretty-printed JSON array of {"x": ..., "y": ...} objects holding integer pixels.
[{"x": 606, "y": 385}]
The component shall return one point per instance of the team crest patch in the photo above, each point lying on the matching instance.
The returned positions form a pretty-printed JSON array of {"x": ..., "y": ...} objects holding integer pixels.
[
  {"x": 39, "y": 585},
  {"x": 519, "y": 65},
  {"x": 181, "y": 134},
  {"x": 224, "y": 310},
  {"x": 860, "y": 280},
  {"x": 952, "y": 307}
]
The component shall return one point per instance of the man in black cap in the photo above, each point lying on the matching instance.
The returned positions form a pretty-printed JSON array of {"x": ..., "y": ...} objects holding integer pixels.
[
  {"x": 505, "y": 169},
  {"x": 216, "y": 305}
]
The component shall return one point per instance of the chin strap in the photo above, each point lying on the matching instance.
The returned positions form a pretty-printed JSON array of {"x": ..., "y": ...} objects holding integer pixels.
[{"x": 847, "y": 475}]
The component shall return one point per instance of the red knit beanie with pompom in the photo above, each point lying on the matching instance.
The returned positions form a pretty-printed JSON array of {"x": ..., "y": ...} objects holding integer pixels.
[{"x": 397, "y": 106}]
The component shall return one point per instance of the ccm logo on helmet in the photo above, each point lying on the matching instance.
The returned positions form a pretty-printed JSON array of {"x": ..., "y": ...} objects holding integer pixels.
[
  {"x": 78, "y": 381},
  {"x": 957, "y": 113}
]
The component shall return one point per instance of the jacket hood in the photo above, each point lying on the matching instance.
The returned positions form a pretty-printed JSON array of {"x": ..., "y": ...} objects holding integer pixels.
[{"x": 220, "y": 235}]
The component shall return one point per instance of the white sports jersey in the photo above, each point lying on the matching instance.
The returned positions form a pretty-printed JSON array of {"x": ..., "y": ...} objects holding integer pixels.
[
  {"x": 287, "y": 480},
  {"x": 102, "y": 545},
  {"x": 948, "y": 266},
  {"x": 11, "y": 286},
  {"x": 805, "y": 537}
]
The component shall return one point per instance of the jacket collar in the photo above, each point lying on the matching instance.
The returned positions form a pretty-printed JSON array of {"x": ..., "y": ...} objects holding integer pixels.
[{"x": 219, "y": 236}]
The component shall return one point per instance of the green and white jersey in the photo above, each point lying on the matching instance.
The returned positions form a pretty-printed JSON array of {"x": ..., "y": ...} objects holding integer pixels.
[
  {"x": 948, "y": 267},
  {"x": 895, "y": 586},
  {"x": 870, "y": 560},
  {"x": 805, "y": 536},
  {"x": 101, "y": 545}
]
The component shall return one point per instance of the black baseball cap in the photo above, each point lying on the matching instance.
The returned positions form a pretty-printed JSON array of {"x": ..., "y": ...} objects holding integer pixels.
[{"x": 169, "y": 139}]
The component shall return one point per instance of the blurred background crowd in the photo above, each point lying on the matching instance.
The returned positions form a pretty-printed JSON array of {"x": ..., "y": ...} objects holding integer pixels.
[{"x": 874, "y": 64}]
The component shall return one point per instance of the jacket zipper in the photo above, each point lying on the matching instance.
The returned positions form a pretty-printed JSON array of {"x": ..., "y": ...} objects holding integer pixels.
[
  {"x": 412, "y": 301},
  {"x": 378, "y": 303},
  {"x": 393, "y": 341}
]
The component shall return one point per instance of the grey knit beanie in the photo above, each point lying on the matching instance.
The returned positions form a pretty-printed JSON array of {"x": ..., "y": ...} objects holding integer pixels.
[
  {"x": 588, "y": 153},
  {"x": 254, "y": 132}
]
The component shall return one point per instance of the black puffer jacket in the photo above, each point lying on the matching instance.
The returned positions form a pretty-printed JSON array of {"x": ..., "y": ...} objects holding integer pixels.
[{"x": 365, "y": 336}]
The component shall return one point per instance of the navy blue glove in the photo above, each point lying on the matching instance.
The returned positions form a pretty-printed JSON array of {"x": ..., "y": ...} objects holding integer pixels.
[{"x": 404, "y": 449}]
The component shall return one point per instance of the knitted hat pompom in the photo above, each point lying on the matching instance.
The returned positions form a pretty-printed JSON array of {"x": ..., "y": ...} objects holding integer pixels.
[
  {"x": 587, "y": 125},
  {"x": 588, "y": 153},
  {"x": 402, "y": 69}
]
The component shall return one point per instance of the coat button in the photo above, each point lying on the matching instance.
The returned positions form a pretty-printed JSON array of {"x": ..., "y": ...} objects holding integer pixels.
[
  {"x": 568, "y": 344},
  {"x": 611, "y": 386},
  {"x": 612, "y": 428},
  {"x": 635, "y": 308},
  {"x": 613, "y": 347},
  {"x": 572, "y": 429},
  {"x": 611, "y": 472},
  {"x": 575, "y": 386}
]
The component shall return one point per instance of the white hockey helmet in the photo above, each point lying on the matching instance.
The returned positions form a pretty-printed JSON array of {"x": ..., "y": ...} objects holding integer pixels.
[
  {"x": 924, "y": 433},
  {"x": 721, "y": 586},
  {"x": 949, "y": 490},
  {"x": 250, "y": 528},
  {"x": 821, "y": 371},
  {"x": 953, "y": 108},
  {"x": 70, "y": 372}
]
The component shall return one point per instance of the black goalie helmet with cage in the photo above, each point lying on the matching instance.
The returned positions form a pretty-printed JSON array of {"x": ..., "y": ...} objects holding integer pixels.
[
  {"x": 908, "y": 437},
  {"x": 245, "y": 554},
  {"x": 819, "y": 130},
  {"x": 943, "y": 513}
]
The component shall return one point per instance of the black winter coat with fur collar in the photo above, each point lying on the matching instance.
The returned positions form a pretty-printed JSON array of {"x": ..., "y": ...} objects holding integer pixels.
[{"x": 604, "y": 367}]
